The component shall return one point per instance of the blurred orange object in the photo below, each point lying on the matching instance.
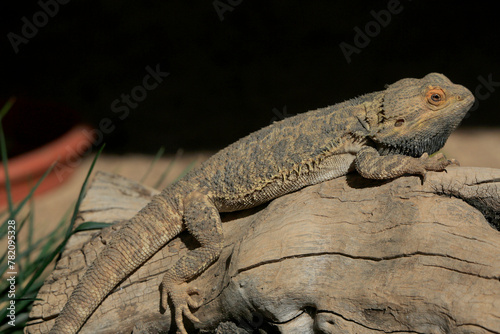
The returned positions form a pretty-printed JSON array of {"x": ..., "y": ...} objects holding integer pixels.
[{"x": 26, "y": 169}]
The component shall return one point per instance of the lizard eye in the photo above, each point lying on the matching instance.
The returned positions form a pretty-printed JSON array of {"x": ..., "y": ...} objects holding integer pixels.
[{"x": 436, "y": 96}]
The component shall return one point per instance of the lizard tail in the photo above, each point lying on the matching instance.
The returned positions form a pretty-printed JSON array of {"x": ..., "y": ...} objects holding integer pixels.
[{"x": 133, "y": 244}]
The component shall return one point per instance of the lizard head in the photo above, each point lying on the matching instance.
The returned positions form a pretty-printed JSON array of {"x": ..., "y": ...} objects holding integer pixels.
[{"x": 418, "y": 115}]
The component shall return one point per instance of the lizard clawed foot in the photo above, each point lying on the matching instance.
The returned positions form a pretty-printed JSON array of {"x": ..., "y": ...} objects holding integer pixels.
[
  {"x": 436, "y": 163},
  {"x": 182, "y": 301}
]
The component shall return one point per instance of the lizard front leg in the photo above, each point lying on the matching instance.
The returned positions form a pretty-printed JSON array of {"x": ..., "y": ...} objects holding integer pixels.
[
  {"x": 202, "y": 220},
  {"x": 371, "y": 165}
]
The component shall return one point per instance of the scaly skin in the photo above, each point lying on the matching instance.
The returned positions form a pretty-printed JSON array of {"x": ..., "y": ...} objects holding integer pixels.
[{"x": 381, "y": 135}]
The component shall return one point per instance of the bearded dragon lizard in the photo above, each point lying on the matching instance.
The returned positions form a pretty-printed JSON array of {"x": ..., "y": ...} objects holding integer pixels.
[{"x": 380, "y": 135}]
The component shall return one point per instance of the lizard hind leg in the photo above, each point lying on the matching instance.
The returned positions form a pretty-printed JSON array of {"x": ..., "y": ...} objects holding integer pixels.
[{"x": 202, "y": 220}]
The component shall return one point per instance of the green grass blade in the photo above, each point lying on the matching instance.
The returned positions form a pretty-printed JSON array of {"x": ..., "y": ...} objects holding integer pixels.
[
  {"x": 164, "y": 175},
  {"x": 186, "y": 170},
  {"x": 31, "y": 228},
  {"x": 8, "y": 187},
  {"x": 92, "y": 226},
  {"x": 3, "y": 228},
  {"x": 3, "y": 152},
  {"x": 151, "y": 165},
  {"x": 49, "y": 253},
  {"x": 2, "y": 260},
  {"x": 41, "y": 266},
  {"x": 31, "y": 270},
  {"x": 6, "y": 107},
  {"x": 82, "y": 193}
]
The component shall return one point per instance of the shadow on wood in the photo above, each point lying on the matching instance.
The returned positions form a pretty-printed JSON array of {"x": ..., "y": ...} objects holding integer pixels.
[{"x": 345, "y": 256}]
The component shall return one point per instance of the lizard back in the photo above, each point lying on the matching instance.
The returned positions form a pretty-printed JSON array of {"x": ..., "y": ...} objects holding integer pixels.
[{"x": 274, "y": 158}]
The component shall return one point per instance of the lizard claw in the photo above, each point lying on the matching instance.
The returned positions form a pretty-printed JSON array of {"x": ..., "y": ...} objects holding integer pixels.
[
  {"x": 182, "y": 301},
  {"x": 190, "y": 301},
  {"x": 423, "y": 175}
]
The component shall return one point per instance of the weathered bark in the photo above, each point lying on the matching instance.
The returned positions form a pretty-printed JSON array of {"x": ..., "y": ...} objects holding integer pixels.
[{"x": 345, "y": 256}]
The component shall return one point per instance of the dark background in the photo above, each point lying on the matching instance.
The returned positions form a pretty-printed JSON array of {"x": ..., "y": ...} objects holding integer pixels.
[{"x": 264, "y": 60}]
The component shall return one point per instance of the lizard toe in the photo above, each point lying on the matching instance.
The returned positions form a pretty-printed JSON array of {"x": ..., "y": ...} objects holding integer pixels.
[
  {"x": 439, "y": 156},
  {"x": 187, "y": 312},
  {"x": 424, "y": 156},
  {"x": 179, "y": 322},
  {"x": 180, "y": 312},
  {"x": 192, "y": 303}
]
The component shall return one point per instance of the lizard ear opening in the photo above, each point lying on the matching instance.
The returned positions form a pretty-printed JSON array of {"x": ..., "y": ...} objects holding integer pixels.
[{"x": 399, "y": 122}]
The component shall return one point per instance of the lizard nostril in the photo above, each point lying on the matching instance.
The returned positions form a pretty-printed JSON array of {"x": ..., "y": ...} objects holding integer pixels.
[
  {"x": 399, "y": 122},
  {"x": 459, "y": 97}
]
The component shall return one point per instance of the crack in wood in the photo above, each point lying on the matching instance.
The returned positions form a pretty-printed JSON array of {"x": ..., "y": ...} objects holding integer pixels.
[
  {"x": 463, "y": 272},
  {"x": 354, "y": 257},
  {"x": 363, "y": 325}
]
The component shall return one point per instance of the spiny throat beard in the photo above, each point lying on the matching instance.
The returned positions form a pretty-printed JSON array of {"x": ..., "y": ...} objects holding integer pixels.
[{"x": 414, "y": 147}]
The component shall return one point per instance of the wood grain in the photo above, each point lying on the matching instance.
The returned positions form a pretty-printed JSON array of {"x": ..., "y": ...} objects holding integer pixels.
[{"x": 346, "y": 256}]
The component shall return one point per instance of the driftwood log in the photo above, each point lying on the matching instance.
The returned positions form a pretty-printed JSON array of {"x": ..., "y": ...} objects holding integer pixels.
[{"x": 345, "y": 256}]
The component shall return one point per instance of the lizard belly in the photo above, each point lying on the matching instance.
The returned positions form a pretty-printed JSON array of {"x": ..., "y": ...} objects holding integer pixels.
[{"x": 329, "y": 168}]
